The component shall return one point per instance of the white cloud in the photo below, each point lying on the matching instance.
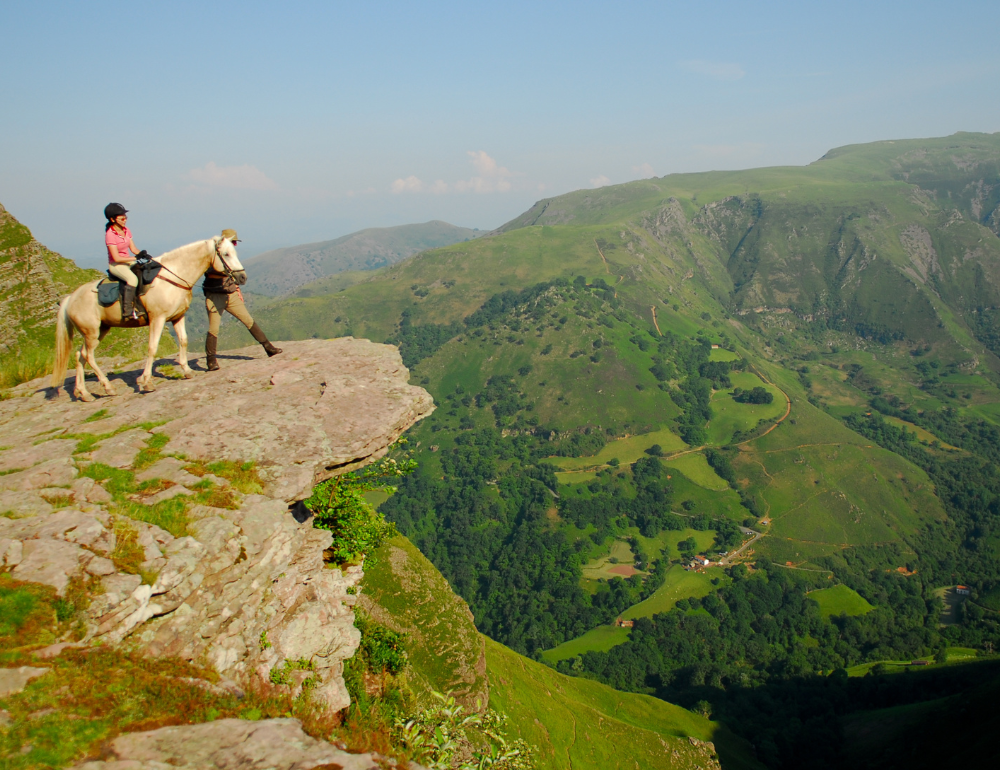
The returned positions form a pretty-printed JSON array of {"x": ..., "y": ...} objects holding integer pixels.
[
  {"x": 245, "y": 177},
  {"x": 491, "y": 176},
  {"x": 600, "y": 181},
  {"x": 719, "y": 70},
  {"x": 409, "y": 185},
  {"x": 644, "y": 170}
]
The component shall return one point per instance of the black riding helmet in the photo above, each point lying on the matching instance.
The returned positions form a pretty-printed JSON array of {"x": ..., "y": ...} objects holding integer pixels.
[{"x": 113, "y": 210}]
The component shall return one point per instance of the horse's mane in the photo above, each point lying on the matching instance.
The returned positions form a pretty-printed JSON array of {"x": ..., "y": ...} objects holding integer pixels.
[{"x": 183, "y": 251}]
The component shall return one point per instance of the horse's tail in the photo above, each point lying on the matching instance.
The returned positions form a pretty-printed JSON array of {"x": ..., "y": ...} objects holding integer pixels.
[{"x": 64, "y": 341}]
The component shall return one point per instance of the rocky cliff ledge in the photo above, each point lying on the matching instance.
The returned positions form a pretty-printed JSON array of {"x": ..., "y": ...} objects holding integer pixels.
[{"x": 117, "y": 496}]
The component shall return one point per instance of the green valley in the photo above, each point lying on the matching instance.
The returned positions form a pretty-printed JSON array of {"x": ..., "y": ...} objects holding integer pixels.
[{"x": 633, "y": 376}]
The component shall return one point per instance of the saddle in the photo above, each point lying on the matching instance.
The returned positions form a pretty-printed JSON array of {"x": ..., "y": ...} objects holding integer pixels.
[{"x": 144, "y": 268}]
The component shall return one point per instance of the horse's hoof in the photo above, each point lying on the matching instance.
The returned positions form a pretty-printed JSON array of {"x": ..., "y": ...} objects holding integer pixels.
[
  {"x": 83, "y": 395},
  {"x": 109, "y": 390},
  {"x": 188, "y": 374}
]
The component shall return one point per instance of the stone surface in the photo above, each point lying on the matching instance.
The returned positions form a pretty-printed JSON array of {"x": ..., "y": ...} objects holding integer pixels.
[
  {"x": 171, "y": 469},
  {"x": 13, "y": 680},
  {"x": 272, "y": 744},
  {"x": 168, "y": 493},
  {"x": 246, "y": 590},
  {"x": 51, "y": 562},
  {"x": 119, "y": 451}
]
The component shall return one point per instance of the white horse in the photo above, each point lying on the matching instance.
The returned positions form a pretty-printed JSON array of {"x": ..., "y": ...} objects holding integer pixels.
[{"x": 168, "y": 298}]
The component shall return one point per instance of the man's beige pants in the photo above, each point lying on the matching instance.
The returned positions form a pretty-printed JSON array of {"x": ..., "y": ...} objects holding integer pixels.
[{"x": 216, "y": 304}]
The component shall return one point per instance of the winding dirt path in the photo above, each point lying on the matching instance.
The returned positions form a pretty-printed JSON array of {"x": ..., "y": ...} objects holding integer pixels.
[{"x": 607, "y": 269}]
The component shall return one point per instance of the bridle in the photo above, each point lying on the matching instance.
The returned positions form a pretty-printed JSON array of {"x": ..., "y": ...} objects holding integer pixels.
[
  {"x": 218, "y": 252},
  {"x": 225, "y": 265}
]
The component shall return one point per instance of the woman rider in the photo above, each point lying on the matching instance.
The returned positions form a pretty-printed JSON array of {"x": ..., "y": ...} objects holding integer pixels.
[
  {"x": 223, "y": 294},
  {"x": 118, "y": 239}
]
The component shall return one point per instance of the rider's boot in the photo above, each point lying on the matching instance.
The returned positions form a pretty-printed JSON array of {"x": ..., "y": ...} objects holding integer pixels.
[
  {"x": 211, "y": 345},
  {"x": 128, "y": 302},
  {"x": 258, "y": 334}
]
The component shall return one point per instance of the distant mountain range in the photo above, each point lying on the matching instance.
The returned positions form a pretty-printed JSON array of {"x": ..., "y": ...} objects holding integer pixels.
[{"x": 282, "y": 271}]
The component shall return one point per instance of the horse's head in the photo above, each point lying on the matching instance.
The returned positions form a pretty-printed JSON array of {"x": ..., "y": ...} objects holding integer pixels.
[{"x": 226, "y": 262}]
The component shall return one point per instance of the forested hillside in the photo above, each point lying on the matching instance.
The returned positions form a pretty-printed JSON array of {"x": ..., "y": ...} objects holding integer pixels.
[{"x": 790, "y": 372}]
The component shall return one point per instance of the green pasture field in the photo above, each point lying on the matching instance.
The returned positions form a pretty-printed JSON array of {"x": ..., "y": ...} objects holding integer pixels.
[
  {"x": 797, "y": 552},
  {"x": 568, "y": 478},
  {"x": 600, "y": 639},
  {"x": 831, "y": 386},
  {"x": 960, "y": 653},
  {"x": 581, "y": 724},
  {"x": 627, "y": 450},
  {"x": 840, "y": 494},
  {"x": 601, "y": 566},
  {"x": 840, "y": 600},
  {"x": 805, "y": 424},
  {"x": 716, "y": 504},
  {"x": 680, "y": 584},
  {"x": 695, "y": 467},
  {"x": 989, "y": 412},
  {"x": 891, "y": 666},
  {"x": 922, "y": 434},
  {"x": 721, "y": 354},
  {"x": 664, "y": 544},
  {"x": 730, "y": 416}
]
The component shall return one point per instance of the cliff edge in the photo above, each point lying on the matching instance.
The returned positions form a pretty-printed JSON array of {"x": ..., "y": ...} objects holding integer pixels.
[{"x": 170, "y": 510}]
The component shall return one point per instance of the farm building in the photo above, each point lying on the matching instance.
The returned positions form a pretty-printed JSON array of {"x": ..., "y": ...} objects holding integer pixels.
[
  {"x": 962, "y": 590},
  {"x": 624, "y": 623}
]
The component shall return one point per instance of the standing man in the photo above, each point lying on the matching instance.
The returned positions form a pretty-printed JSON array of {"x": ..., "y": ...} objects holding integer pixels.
[{"x": 223, "y": 294}]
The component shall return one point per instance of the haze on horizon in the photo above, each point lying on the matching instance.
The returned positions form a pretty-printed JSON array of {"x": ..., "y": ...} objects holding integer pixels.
[{"x": 311, "y": 120}]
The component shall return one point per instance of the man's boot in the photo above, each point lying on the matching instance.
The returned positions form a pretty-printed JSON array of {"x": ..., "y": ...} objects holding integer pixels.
[
  {"x": 258, "y": 334},
  {"x": 211, "y": 345},
  {"x": 128, "y": 301}
]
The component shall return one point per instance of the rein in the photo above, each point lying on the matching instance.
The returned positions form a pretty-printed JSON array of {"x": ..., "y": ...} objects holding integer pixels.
[{"x": 184, "y": 284}]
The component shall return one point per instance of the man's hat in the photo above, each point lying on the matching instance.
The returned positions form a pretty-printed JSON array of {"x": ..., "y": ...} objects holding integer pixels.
[{"x": 230, "y": 234}]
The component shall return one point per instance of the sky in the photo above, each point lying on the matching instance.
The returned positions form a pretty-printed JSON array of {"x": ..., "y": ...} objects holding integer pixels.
[{"x": 296, "y": 122}]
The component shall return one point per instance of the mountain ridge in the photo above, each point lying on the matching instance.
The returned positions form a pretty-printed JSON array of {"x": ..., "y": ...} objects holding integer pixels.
[{"x": 282, "y": 271}]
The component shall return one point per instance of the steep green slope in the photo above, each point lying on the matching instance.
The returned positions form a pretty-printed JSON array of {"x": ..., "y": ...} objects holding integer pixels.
[
  {"x": 572, "y": 723},
  {"x": 403, "y": 591},
  {"x": 283, "y": 271},
  {"x": 33, "y": 280}
]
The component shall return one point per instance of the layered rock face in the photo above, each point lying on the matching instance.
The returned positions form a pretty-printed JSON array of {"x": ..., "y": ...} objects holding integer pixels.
[{"x": 244, "y": 586}]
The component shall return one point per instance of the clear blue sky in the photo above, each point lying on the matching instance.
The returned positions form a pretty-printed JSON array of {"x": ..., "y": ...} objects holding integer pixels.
[{"x": 303, "y": 121}]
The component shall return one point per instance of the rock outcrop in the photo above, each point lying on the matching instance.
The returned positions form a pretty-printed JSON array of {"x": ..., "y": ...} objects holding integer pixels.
[
  {"x": 232, "y": 579},
  {"x": 275, "y": 744}
]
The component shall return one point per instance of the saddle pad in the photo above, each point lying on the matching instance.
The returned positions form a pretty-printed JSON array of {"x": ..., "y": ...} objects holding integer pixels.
[
  {"x": 150, "y": 271},
  {"x": 107, "y": 293}
]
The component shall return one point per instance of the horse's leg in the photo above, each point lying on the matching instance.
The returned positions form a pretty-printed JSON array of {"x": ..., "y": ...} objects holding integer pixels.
[
  {"x": 80, "y": 388},
  {"x": 156, "y": 324},
  {"x": 182, "y": 341},
  {"x": 90, "y": 342}
]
